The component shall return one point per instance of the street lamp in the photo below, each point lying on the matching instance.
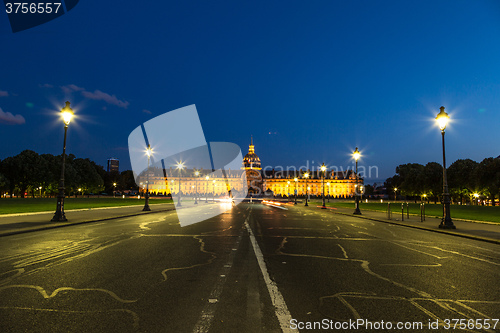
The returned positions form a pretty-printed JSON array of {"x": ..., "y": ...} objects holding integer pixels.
[
  {"x": 446, "y": 222},
  {"x": 197, "y": 174},
  {"x": 59, "y": 216},
  {"x": 146, "y": 208},
  {"x": 395, "y": 193},
  {"x": 114, "y": 190},
  {"x": 296, "y": 180},
  {"x": 476, "y": 195},
  {"x": 323, "y": 169},
  {"x": 356, "y": 154},
  {"x": 306, "y": 175},
  {"x": 180, "y": 166},
  {"x": 206, "y": 190}
]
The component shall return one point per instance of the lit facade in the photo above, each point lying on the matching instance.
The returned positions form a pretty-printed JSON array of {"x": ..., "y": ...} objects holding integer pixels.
[{"x": 259, "y": 182}]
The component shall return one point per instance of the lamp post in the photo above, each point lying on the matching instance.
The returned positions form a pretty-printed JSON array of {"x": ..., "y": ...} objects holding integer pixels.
[
  {"x": 114, "y": 190},
  {"x": 59, "y": 216},
  {"x": 296, "y": 180},
  {"x": 356, "y": 154},
  {"x": 197, "y": 174},
  {"x": 146, "y": 208},
  {"x": 206, "y": 190},
  {"x": 395, "y": 193},
  {"x": 323, "y": 169},
  {"x": 180, "y": 166},
  {"x": 306, "y": 175},
  {"x": 446, "y": 222}
]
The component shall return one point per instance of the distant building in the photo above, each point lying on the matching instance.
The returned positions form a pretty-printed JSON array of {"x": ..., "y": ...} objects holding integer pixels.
[{"x": 113, "y": 165}]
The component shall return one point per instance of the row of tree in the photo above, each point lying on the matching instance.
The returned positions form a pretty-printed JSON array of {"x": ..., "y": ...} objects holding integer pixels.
[
  {"x": 30, "y": 173},
  {"x": 465, "y": 178}
]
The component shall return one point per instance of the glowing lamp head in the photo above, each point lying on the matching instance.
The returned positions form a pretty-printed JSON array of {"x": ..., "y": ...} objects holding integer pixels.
[
  {"x": 476, "y": 195},
  {"x": 149, "y": 151},
  {"x": 67, "y": 114},
  {"x": 356, "y": 154},
  {"x": 296, "y": 179},
  {"x": 180, "y": 166},
  {"x": 323, "y": 167},
  {"x": 114, "y": 184},
  {"x": 306, "y": 175},
  {"x": 207, "y": 177},
  {"x": 196, "y": 173},
  {"x": 395, "y": 189},
  {"x": 442, "y": 119}
]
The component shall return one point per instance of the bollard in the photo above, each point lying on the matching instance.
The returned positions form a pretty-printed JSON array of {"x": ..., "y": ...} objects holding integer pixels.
[
  {"x": 402, "y": 211},
  {"x": 389, "y": 211},
  {"x": 423, "y": 206},
  {"x": 421, "y": 215}
]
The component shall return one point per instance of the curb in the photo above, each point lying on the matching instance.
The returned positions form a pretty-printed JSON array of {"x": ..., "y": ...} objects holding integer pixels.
[
  {"x": 47, "y": 227},
  {"x": 484, "y": 239}
]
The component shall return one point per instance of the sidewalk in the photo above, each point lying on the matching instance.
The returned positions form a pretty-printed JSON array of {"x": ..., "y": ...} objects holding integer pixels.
[
  {"x": 12, "y": 224},
  {"x": 489, "y": 232}
]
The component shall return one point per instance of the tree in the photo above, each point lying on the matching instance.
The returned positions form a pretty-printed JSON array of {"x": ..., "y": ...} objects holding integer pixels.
[
  {"x": 410, "y": 177},
  {"x": 461, "y": 180},
  {"x": 432, "y": 179},
  {"x": 487, "y": 175},
  {"x": 88, "y": 179}
]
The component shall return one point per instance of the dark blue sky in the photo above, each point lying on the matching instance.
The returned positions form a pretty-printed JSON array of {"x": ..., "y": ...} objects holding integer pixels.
[{"x": 310, "y": 80}]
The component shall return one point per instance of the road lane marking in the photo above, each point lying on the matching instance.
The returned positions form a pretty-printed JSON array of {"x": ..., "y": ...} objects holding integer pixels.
[{"x": 281, "y": 310}]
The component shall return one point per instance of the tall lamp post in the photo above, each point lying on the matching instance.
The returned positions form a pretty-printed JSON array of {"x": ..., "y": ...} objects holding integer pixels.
[
  {"x": 206, "y": 190},
  {"x": 146, "y": 208},
  {"x": 296, "y": 180},
  {"x": 356, "y": 154},
  {"x": 395, "y": 193},
  {"x": 114, "y": 190},
  {"x": 323, "y": 170},
  {"x": 59, "y": 216},
  {"x": 446, "y": 222},
  {"x": 197, "y": 174},
  {"x": 180, "y": 166},
  {"x": 306, "y": 175}
]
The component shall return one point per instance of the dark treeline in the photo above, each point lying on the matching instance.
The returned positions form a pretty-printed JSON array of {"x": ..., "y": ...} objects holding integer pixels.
[
  {"x": 29, "y": 173},
  {"x": 465, "y": 177}
]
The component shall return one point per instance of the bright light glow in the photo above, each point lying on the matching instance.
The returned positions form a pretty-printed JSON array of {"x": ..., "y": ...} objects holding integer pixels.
[
  {"x": 67, "y": 116},
  {"x": 306, "y": 175},
  {"x": 442, "y": 119},
  {"x": 180, "y": 165},
  {"x": 356, "y": 154},
  {"x": 309, "y": 188},
  {"x": 323, "y": 167},
  {"x": 476, "y": 195},
  {"x": 196, "y": 173},
  {"x": 79, "y": 189},
  {"x": 296, "y": 179},
  {"x": 149, "y": 151},
  {"x": 395, "y": 189},
  {"x": 114, "y": 184},
  {"x": 207, "y": 177},
  {"x": 425, "y": 195}
]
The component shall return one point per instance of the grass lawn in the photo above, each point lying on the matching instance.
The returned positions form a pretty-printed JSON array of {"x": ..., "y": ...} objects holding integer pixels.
[
  {"x": 18, "y": 205},
  {"x": 478, "y": 213}
]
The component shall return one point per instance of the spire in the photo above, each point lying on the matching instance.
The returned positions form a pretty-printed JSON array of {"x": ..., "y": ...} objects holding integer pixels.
[{"x": 251, "y": 148}]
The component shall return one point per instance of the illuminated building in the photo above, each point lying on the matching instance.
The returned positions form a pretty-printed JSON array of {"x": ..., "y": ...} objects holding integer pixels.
[{"x": 259, "y": 181}]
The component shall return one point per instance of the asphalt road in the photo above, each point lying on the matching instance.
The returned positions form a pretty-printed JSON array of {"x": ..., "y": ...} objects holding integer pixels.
[{"x": 147, "y": 274}]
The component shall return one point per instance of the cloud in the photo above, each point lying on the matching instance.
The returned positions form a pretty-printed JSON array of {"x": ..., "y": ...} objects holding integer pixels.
[
  {"x": 147, "y": 111},
  {"x": 97, "y": 95},
  {"x": 70, "y": 88},
  {"x": 3, "y": 93},
  {"x": 46, "y": 85},
  {"x": 110, "y": 99},
  {"x": 9, "y": 118}
]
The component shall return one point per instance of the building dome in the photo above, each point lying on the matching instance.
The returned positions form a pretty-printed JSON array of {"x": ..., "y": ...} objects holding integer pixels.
[{"x": 251, "y": 160}]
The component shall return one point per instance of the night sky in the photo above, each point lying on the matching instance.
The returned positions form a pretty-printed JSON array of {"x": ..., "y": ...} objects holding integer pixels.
[{"x": 310, "y": 80}]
